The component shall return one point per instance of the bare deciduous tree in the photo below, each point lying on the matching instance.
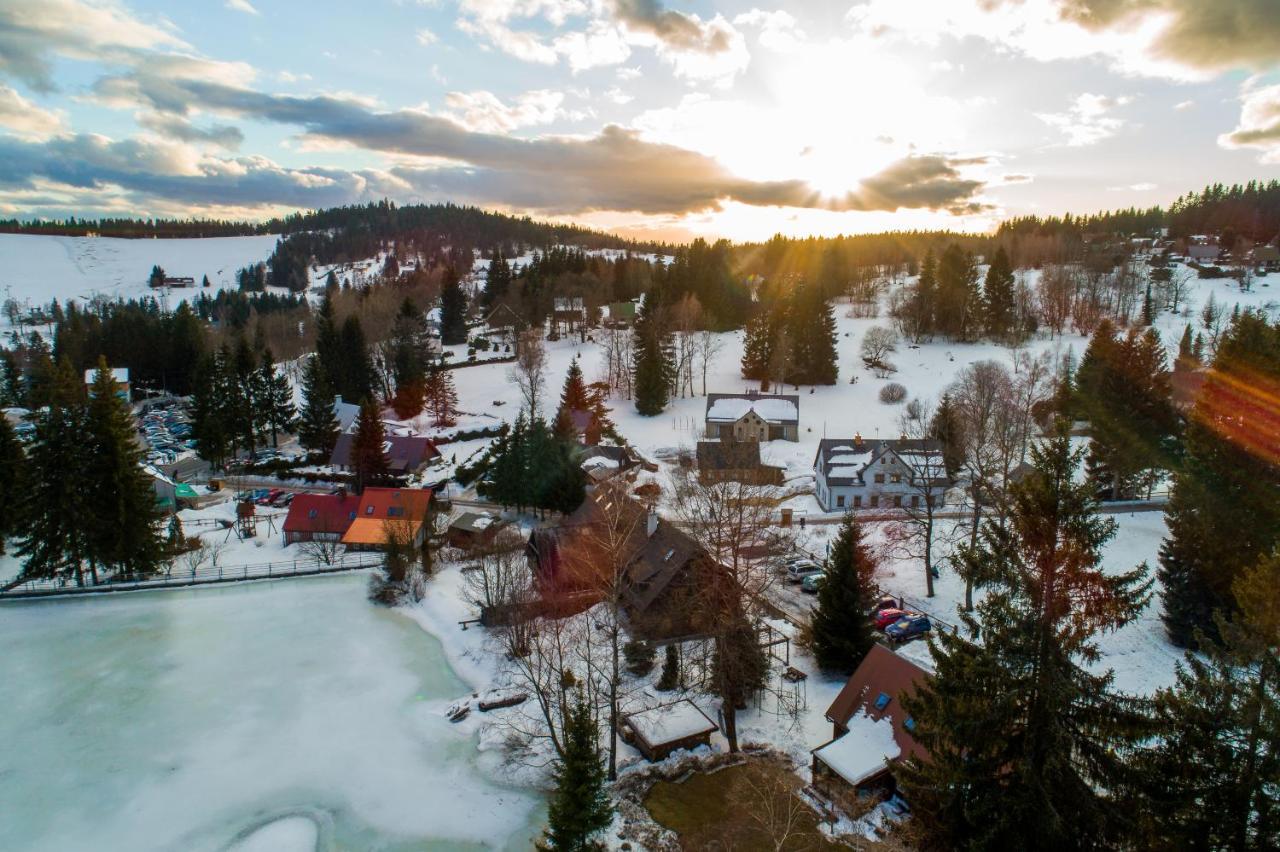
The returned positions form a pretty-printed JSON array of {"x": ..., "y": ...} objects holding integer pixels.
[
  {"x": 530, "y": 371},
  {"x": 919, "y": 535}
]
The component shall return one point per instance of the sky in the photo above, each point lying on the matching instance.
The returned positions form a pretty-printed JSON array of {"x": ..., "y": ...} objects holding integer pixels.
[{"x": 651, "y": 119}]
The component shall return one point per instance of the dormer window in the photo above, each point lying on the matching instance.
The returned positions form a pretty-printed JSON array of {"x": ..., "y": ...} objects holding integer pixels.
[{"x": 882, "y": 700}]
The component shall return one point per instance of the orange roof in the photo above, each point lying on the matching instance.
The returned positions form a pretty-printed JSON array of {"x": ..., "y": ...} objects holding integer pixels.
[{"x": 380, "y": 506}]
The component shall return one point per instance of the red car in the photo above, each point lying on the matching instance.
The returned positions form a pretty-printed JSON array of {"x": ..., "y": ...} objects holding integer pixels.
[
  {"x": 885, "y": 617},
  {"x": 270, "y": 497}
]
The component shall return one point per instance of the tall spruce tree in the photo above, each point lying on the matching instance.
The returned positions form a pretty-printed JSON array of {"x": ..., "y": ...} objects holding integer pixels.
[
  {"x": 408, "y": 364},
  {"x": 653, "y": 367},
  {"x": 923, "y": 302},
  {"x": 318, "y": 424},
  {"x": 355, "y": 377},
  {"x": 53, "y": 539},
  {"x": 1209, "y": 778},
  {"x": 580, "y": 808},
  {"x": 275, "y": 398},
  {"x": 813, "y": 338},
  {"x": 497, "y": 280},
  {"x": 573, "y": 397},
  {"x": 1022, "y": 738},
  {"x": 1224, "y": 512},
  {"x": 997, "y": 297},
  {"x": 12, "y": 464},
  {"x": 757, "y": 346},
  {"x": 453, "y": 310},
  {"x": 211, "y": 425},
  {"x": 122, "y": 531},
  {"x": 368, "y": 459},
  {"x": 958, "y": 313},
  {"x": 842, "y": 632}
]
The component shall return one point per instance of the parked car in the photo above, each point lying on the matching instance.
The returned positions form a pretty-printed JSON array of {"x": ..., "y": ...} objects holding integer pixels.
[
  {"x": 812, "y": 583},
  {"x": 269, "y": 497},
  {"x": 797, "y": 571},
  {"x": 907, "y": 628},
  {"x": 886, "y": 602},
  {"x": 888, "y": 616}
]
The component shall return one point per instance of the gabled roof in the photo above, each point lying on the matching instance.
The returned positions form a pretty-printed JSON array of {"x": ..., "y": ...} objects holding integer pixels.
[
  {"x": 843, "y": 460},
  {"x": 728, "y": 455},
  {"x": 476, "y": 522},
  {"x": 346, "y": 414},
  {"x": 783, "y": 409},
  {"x": 881, "y": 673},
  {"x": 405, "y": 453},
  {"x": 381, "y": 507},
  {"x": 321, "y": 513}
]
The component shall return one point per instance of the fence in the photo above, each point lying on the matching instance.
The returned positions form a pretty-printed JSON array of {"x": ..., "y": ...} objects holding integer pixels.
[{"x": 176, "y": 577}]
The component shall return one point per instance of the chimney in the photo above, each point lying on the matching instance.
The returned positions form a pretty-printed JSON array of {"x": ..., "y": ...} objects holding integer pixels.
[
  {"x": 857, "y": 440},
  {"x": 651, "y": 523}
]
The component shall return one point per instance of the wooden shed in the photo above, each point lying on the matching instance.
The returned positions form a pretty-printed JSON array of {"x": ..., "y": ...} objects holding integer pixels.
[{"x": 659, "y": 731}]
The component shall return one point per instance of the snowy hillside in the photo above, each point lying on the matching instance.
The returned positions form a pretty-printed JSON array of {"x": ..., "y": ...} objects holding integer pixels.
[{"x": 38, "y": 268}]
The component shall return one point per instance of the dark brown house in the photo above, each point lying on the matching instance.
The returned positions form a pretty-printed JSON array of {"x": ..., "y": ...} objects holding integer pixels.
[
  {"x": 659, "y": 731},
  {"x": 473, "y": 529},
  {"x": 870, "y": 728},
  {"x": 736, "y": 461}
]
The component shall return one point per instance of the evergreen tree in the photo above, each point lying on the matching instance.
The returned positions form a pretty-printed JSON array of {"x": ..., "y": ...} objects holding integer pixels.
[
  {"x": 453, "y": 311},
  {"x": 53, "y": 541},
  {"x": 1022, "y": 738},
  {"x": 408, "y": 365},
  {"x": 156, "y": 278},
  {"x": 566, "y": 483},
  {"x": 653, "y": 368},
  {"x": 329, "y": 343},
  {"x": 997, "y": 297},
  {"x": 922, "y": 307},
  {"x": 318, "y": 425},
  {"x": 244, "y": 395},
  {"x": 842, "y": 633},
  {"x": 122, "y": 529},
  {"x": 355, "y": 372},
  {"x": 368, "y": 458},
  {"x": 958, "y": 309},
  {"x": 813, "y": 338},
  {"x": 1224, "y": 512},
  {"x": 757, "y": 346},
  {"x": 275, "y": 399},
  {"x": 497, "y": 280},
  {"x": 1209, "y": 779},
  {"x": 1186, "y": 352},
  {"x": 669, "y": 679},
  {"x": 12, "y": 464},
  {"x": 580, "y": 807},
  {"x": 210, "y": 422},
  {"x": 574, "y": 397},
  {"x": 1148, "y": 315},
  {"x": 947, "y": 427}
]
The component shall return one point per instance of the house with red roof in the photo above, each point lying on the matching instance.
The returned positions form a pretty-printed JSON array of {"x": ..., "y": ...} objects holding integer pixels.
[
  {"x": 320, "y": 517},
  {"x": 386, "y": 512},
  {"x": 870, "y": 728}
]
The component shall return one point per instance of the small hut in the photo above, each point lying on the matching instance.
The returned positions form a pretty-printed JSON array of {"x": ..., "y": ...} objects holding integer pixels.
[{"x": 659, "y": 731}]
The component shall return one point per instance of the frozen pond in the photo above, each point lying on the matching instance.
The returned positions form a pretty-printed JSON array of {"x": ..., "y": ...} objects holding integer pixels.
[{"x": 286, "y": 716}]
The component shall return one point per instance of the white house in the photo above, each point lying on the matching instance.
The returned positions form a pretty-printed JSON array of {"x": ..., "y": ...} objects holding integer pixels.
[
  {"x": 753, "y": 417},
  {"x": 852, "y": 473}
]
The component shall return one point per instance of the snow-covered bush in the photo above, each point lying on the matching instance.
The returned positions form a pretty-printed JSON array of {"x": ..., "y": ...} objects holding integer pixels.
[{"x": 892, "y": 393}]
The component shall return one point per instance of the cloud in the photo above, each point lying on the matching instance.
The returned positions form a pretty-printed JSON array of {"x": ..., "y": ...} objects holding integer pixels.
[
  {"x": 1181, "y": 105},
  {"x": 485, "y": 112},
  {"x": 242, "y": 6},
  {"x": 1259, "y": 125},
  {"x": 178, "y": 128},
  {"x": 1179, "y": 39},
  {"x": 1145, "y": 186},
  {"x": 779, "y": 30},
  {"x": 25, "y": 118},
  {"x": 32, "y": 33},
  {"x": 426, "y": 37},
  {"x": 593, "y": 33},
  {"x": 1086, "y": 122}
]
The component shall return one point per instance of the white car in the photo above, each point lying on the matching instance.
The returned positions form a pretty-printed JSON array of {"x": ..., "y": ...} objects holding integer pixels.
[{"x": 802, "y": 568}]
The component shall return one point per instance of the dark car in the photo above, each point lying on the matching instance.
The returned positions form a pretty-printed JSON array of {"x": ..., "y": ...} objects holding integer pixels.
[{"x": 908, "y": 627}]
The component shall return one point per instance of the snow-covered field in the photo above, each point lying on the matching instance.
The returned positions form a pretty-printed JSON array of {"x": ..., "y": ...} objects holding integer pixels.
[{"x": 37, "y": 268}]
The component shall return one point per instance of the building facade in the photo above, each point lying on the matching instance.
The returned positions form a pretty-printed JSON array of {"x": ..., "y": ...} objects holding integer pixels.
[
  {"x": 853, "y": 473},
  {"x": 753, "y": 417}
]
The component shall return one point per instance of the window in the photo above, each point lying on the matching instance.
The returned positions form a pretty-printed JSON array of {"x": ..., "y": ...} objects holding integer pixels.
[
  {"x": 882, "y": 700},
  {"x": 880, "y": 478},
  {"x": 857, "y": 501},
  {"x": 884, "y": 460},
  {"x": 897, "y": 501},
  {"x": 368, "y": 510},
  {"x": 313, "y": 513},
  {"x": 915, "y": 500},
  {"x": 875, "y": 500},
  {"x": 909, "y": 724},
  {"x": 395, "y": 511},
  {"x": 840, "y": 501},
  {"x": 895, "y": 477}
]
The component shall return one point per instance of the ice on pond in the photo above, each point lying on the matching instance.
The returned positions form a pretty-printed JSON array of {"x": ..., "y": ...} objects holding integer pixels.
[
  {"x": 290, "y": 834},
  {"x": 181, "y": 720}
]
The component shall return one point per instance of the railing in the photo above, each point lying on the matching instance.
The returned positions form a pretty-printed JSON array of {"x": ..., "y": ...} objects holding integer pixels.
[{"x": 175, "y": 576}]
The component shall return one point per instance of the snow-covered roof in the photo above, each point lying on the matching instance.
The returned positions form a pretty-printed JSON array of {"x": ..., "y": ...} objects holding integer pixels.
[
  {"x": 671, "y": 722},
  {"x": 861, "y": 752},
  {"x": 722, "y": 408}
]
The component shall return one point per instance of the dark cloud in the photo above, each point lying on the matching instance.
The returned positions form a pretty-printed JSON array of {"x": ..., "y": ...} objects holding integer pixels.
[
  {"x": 675, "y": 29},
  {"x": 1205, "y": 34},
  {"x": 613, "y": 170},
  {"x": 1259, "y": 125}
]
